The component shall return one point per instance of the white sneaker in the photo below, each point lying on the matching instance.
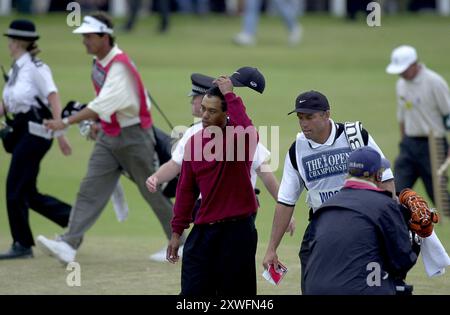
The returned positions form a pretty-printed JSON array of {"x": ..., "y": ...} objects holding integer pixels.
[
  {"x": 244, "y": 39},
  {"x": 160, "y": 256},
  {"x": 58, "y": 249},
  {"x": 295, "y": 36}
]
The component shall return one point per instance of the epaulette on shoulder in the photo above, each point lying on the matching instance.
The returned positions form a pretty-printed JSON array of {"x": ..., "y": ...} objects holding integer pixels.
[{"x": 38, "y": 62}]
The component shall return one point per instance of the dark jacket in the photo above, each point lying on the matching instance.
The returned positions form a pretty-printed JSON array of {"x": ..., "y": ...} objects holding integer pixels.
[{"x": 360, "y": 244}]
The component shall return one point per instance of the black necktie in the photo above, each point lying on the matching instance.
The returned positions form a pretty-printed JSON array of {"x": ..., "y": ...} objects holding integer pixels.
[{"x": 13, "y": 76}]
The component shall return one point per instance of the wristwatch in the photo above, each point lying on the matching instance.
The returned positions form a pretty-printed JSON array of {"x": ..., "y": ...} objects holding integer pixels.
[{"x": 65, "y": 121}]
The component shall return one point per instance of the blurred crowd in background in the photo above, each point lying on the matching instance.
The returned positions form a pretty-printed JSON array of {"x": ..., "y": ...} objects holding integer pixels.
[{"x": 347, "y": 8}]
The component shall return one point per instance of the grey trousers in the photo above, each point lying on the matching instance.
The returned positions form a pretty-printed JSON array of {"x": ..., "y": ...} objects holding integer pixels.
[{"x": 133, "y": 152}]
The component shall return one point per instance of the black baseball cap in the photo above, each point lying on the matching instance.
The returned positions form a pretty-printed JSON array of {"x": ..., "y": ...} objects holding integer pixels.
[
  {"x": 249, "y": 77},
  {"x": 23, "y": 30},
  {"x": 200, "y": 84},
  {"x": 311, "y": 102}
]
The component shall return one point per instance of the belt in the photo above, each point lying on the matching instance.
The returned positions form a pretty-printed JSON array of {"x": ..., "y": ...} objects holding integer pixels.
[
  {"x": 19, "y": 115},
  {"x": 233, "y": 219},
  {"x": 417, "y": 138},
  {"x": 130, "y": 122},
  {"x": 32, "y": 114}
]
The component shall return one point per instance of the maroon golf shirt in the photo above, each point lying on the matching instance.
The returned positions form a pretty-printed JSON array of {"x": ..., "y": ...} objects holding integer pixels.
[{"x": 225, "y": 184}]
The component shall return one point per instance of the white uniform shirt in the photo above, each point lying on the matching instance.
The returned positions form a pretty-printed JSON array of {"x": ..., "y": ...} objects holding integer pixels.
[
  {"x": 118, "y": 94},
  {"x": 422, "y": 103},
  {"x": 34, "y": 78},
  {"x": 261, "y": 153},
  {"x": 322, "y": 169}
]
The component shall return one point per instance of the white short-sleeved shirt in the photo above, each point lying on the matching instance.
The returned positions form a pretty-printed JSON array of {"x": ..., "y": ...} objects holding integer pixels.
[
  {"x": 322, "y": 168},
  {"x": 422, "y": 103},
  {"x": 178, "y": 152},
  {"x": 262, "y": 154},
  {"x": 34, "y": 78}
]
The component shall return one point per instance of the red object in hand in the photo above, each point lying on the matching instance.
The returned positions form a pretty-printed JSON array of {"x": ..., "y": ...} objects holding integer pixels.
[{"x": 273, "y": 275}]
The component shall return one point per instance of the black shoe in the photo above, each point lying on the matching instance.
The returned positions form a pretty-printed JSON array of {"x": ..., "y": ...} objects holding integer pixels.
[{"x": 17, "y": 251}]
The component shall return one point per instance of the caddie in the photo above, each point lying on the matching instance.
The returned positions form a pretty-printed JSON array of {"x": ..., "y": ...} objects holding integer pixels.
[
  {"x": 317, "y": 162},
  {"x": 360, "y": 247}
]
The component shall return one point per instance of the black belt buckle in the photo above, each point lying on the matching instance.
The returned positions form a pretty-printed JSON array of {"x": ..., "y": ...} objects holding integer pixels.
[{"x": 404, "y": 289}]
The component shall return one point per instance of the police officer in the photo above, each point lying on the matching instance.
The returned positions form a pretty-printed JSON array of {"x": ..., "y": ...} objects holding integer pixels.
[{"x": 29, "y": 90}]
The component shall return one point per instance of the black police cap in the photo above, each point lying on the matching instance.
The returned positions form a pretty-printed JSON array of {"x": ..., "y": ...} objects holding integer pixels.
[
  {"x": 22, "y": 29},
  {"x": 200, "y": 84}
]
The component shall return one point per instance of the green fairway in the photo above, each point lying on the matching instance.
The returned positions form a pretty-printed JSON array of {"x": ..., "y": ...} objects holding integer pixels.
[{"x": 346, "y": 61}]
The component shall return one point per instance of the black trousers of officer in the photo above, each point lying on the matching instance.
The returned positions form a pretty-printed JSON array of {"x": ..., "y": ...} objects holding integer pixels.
[
  {"x": 219, "y": 259},
  {"x": 413, "y": 163},
  {"x": 21, "y": 191}
]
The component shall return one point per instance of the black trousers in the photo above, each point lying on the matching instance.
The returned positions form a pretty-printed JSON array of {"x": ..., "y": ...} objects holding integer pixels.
[
  {"x": 413, "y": 163},
  {"x": 219, "y": 259},
  {"x": 304, "y": 255},
  {"x": 21, "y": 190}
]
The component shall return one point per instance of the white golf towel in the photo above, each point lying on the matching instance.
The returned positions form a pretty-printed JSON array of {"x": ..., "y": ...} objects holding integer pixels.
[
  {"x": 434, "y": 256},
  {"x": 41, "y": 131},
  {"x": 119, "y": 203}
]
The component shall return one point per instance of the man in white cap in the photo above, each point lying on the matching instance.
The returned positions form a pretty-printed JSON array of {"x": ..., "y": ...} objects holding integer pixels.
[
  {"x": 423, "y": 106},
  {"x": 126, "y": 141}
]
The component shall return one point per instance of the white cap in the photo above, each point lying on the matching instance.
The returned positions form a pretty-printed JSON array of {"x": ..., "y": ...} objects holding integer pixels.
[
  {"x": 401, "y": 58},
  {"x": 92, "y": 25}
]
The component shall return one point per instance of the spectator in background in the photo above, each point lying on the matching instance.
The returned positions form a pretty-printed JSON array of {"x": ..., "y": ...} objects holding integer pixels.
[
  {"x": 251, "y": 16},
  {"x": 90, "y": 5},
  {"x": 134, "y": 6},
  {"x": 423, "y": 105},
  {"x": 23, "y": 6},
  {"x": 354, "y": 6},
  {"x": 193, "y": 6}
]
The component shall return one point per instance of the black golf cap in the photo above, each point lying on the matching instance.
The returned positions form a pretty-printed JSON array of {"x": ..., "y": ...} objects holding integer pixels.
[
  {"x": 200, "y": 84},
  {"x": 249, "y": 77},
  {"x": 23, "y": 30},
  {"x": 310, "y": 102}
]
